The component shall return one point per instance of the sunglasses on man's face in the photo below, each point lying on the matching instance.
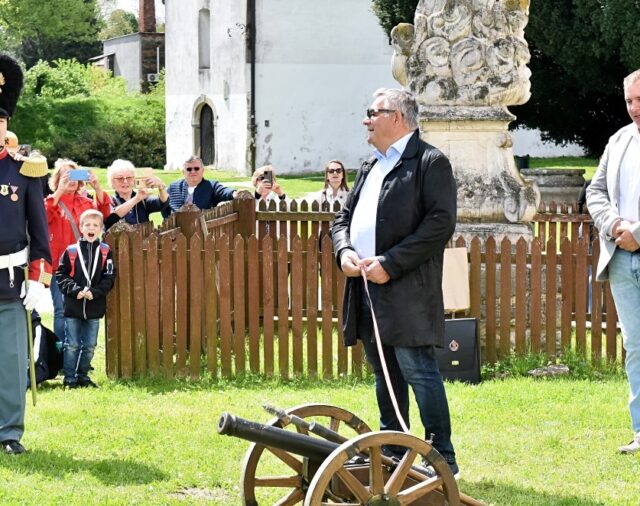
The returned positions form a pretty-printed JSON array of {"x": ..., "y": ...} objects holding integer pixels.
[
  {"x": 335, "y": 171},
  {"x": 189, "y": 169},
  {"x": 374, "y": 113}
]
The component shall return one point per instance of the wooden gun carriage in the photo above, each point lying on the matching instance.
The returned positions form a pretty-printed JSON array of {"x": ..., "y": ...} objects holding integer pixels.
[{"x": 304, "y": 457}]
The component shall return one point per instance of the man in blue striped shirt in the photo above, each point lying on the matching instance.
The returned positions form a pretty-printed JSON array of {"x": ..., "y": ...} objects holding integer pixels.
[{"x": 195, "y": 189}]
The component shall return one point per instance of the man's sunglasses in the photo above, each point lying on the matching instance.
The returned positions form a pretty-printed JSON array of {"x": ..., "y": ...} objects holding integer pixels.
[
  {"x": 374, "y": 113},
  {"x": 189, "y": 169},
  {"x": 335, "y": 171}
]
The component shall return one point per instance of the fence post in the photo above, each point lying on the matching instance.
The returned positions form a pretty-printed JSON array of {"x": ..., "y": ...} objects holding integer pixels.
[
  {"x": 188, "y": 222},
  {"x": 245, "y": 206}
]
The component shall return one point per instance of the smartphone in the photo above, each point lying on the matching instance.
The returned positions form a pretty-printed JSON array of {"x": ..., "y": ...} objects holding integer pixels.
[
  {"x": 79, "y": 175},
  {"x": 268, "y": 176},
  {"x": 142, "y": 174}
]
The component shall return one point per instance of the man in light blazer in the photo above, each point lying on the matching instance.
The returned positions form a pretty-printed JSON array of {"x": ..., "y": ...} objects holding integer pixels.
[{"x": 613, "y": 199}]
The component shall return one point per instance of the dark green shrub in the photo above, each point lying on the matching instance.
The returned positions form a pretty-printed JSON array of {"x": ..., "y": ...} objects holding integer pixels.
[{"x": 95, "y": 131}]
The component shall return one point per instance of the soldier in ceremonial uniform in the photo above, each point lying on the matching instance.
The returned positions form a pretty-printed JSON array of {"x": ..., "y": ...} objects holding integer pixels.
[{"x": 24, "y": 240}]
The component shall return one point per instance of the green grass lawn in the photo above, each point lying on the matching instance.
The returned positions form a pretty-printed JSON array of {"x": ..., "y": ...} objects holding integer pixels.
[
  {"x": 519, "y": 441},
  {"x": 566, "y": 162}
]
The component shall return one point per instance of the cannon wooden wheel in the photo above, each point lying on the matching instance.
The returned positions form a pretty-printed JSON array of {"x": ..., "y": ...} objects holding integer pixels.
[
  {"x": 285, "y": 470},
  {"x": 395, "y": 485}
]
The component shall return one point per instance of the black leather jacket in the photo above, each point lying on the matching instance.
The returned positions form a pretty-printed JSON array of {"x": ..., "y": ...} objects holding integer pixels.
[{"x": 416, "y": 217}]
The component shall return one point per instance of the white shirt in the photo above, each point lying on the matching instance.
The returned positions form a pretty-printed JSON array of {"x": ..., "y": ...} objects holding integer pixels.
[
  {"x": 328, "y": 197},
  {"x": 363, "y": 224},
  {"x": 630, "y": 180}
]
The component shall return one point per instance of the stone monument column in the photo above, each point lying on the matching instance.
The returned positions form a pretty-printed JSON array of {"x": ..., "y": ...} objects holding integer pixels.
[{"x": 465, "y": 61}]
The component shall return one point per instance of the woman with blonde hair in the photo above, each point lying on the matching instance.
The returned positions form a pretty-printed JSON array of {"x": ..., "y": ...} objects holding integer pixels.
[
  {"x": 266, "y": 186},
  {"x": 64, "y": 207},
  {"x": 134, "y": 206}
]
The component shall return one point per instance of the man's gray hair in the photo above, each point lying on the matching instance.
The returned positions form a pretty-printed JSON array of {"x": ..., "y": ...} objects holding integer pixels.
[
  {"x": 630, "y": 79},
  {"x": 193, "y": 158},
  {"x": 402, "y": 101}
]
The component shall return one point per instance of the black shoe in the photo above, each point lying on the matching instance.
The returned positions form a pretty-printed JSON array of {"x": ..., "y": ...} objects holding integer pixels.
[
  {"x": 12, "y": 447},
  {"x": 84, "y": 383},
  {"x": 455, "y": 470},
  {"x": 69, "y": 384}
]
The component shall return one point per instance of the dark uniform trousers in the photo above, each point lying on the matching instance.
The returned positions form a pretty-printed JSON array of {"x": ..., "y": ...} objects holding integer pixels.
[{"x": 13, "y": 365}]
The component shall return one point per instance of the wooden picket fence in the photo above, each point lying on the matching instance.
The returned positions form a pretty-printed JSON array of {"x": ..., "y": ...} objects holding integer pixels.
[{"x": 238, "y": 290}]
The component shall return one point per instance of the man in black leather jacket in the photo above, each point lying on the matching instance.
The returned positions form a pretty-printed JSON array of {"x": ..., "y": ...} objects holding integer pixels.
[{"x": 394, "y": 228}]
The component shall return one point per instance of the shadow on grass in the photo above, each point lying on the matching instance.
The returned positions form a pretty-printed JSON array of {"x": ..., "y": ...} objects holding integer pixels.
[
  {"x": 492, "y": 492},
  {"x": 109, "y": 471}
]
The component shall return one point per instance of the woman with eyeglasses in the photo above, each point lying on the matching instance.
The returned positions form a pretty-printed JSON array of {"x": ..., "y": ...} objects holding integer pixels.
[
  {"x": 266, "y": 186},
  {"x": 134, "y": 206},
  {"x": 64, "y": 208},
  {"x": 336, "y": 188}
]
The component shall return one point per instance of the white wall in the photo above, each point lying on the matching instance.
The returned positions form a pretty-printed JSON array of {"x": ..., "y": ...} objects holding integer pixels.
[
  {"x": 188, "y": 87},
  {"x": 127, "y": 59},
  {"x": 317, "y": 65},
  {"x": 529, "y": 142}
]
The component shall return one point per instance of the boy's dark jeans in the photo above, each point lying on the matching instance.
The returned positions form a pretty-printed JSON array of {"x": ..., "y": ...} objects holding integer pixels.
[{"x": 81, "y": 338}]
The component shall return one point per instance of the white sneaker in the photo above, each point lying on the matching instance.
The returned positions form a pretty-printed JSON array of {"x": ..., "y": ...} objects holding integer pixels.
[{"x": 633, "y": 446}]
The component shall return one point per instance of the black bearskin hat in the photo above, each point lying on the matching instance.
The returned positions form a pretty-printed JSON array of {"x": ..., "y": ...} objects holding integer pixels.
[{"x": 10, "y": 85}]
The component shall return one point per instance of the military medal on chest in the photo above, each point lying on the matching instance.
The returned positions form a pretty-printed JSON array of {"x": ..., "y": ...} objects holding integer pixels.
[{"x": 4, "y": 191}]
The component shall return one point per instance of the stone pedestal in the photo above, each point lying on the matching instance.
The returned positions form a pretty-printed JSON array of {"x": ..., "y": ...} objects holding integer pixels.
[
  {"x": 557, "y": 185},
  {"x": 476, "y": 141},
  {"x": 512, "y": 231}
]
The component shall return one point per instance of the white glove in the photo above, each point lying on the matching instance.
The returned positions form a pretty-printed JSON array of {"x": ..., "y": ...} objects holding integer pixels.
[{"x": 33, "y": 294}]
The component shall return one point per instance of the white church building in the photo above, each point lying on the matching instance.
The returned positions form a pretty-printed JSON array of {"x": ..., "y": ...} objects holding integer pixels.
[{"x": 252, "y": 82}]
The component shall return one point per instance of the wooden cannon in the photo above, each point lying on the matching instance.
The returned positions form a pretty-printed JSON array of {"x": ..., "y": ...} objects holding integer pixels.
[{"x": 309, "y": 455}]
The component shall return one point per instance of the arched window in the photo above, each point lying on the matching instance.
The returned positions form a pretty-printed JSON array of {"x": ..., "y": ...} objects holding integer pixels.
[
  {"x": 207, "y": 145},
  {"x": 204, "y": 42}
]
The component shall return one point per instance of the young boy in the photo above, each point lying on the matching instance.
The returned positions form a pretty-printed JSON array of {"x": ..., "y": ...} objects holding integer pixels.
[{"x": 85, "y": 275}]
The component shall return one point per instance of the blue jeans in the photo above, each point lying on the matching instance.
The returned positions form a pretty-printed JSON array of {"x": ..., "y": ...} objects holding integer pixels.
[
  {"x": 415, "y": 366},
  {"x": 79, "y": 345},
  {"x": 58, "y": 310},
  {"x": 624, "y": 277}
]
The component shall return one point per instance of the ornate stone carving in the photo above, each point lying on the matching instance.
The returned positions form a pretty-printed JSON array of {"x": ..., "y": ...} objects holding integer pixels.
[
  {"x": 464, "y": 52},
  {"x": 465, "y": 61}
]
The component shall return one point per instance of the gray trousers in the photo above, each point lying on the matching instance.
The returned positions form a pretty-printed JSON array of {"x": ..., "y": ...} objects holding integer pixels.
[{"x": 13, "y": 369}]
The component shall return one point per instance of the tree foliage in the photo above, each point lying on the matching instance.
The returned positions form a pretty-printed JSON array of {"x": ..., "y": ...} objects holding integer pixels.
[
  {"x": 580, "y": 52},
  {"x": 69, "y": 78},
  {"x": 392, "y": 12},
  {"x": 94, "y": 130},
  {"x": 50, "y": 30},
  {"x": 118, "y": 23}
]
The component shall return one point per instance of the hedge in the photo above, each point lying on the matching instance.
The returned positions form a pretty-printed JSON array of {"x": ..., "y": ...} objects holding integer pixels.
[{"x": 94, "y": 131}]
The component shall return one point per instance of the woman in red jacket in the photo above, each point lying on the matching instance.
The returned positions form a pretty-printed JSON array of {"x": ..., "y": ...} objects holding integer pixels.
[{"x": 64, "y": 208}]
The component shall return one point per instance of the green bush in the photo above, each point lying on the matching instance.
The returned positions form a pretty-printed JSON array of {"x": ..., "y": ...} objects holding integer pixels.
[
  {"x": 94, "y": 131},
  {"x": 69, "y": 78}
]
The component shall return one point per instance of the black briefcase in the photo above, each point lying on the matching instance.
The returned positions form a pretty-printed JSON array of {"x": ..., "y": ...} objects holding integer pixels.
[{"x": 460, "y": 358}]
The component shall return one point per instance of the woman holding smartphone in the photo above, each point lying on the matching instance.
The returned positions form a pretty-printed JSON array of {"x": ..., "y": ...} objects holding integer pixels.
[
  {"x": 64, "y": 207},
  {"x": 134, "y": 206},
  {"x": 266, "y": 186}
]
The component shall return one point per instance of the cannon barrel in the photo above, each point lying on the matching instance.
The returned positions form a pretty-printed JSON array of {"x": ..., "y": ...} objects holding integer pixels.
[{"x": 293, "y": 442}]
